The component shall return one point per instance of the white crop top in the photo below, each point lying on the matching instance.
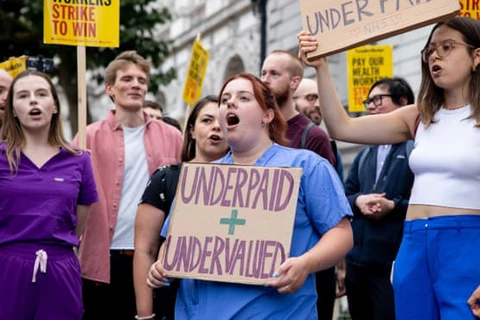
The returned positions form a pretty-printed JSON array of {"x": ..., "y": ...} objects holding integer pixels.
[{"x": 446, "y": 161}]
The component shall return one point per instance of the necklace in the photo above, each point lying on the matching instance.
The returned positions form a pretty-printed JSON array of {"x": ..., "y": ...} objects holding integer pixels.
[{"x": 455, "y": 108}]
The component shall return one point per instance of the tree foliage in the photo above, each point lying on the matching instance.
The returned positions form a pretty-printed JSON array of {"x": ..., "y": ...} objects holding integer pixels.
[{"x": 21, "y": 33}]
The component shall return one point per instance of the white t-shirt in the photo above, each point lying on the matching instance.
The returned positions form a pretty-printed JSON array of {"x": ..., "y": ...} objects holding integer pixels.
[
  {"x": 135, "y": 178},
  {"x": 446, "y": 161}
]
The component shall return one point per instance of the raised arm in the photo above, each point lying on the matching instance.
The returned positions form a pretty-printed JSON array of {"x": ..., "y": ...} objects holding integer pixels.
[
  {"x": 148, "y": 223},
  {"x": 390, "y": 128}
]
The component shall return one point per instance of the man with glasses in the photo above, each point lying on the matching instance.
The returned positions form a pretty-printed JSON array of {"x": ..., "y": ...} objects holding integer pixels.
[
  {"x": 378, "y": 189},
  {"x": 306, "y": 102}
]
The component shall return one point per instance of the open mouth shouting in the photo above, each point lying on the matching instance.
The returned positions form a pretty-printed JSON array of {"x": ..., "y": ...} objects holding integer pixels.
[
  {"x": 232, "y": 120},
  {"x": 435, "y": 70},
  {"x": 35, "y": 113},
  {"x": 215, "y": 139}
]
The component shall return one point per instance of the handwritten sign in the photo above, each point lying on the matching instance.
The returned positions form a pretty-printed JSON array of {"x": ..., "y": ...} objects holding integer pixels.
[
  {"x": 93, "y": 23},
  {"x": 343, "y": 24},
  {"x": 196, "y": 73},
  {"x": 14, "y": 65},
  {"x": 470, "y": 9},
  {"x": 231, "y": 223},
  {"x": 365, "y": 66}
]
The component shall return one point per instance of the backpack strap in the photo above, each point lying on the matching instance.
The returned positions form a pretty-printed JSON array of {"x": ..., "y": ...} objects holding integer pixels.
[
  {"x": 169, "y": 184},
  {"x": 305, "y": 133}
]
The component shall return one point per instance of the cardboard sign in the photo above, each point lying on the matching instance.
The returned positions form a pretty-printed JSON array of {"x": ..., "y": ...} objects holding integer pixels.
[
  {"x": 470, "y": 9},
  {"x": 93, "y": 23},
  {"x": 365, "y": 66},
  {"x": 231, "y": 223},
  {"x": 343, "y": 24},
  {"x": 14, "y": 65},
  {"x": 196, "y": 73}
]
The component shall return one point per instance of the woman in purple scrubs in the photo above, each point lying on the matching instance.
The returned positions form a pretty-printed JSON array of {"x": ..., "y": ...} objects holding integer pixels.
[{"x": 46, "y": 189}]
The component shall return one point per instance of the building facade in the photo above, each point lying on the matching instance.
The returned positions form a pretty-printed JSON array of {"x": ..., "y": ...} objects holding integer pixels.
[{"x": 239, "y": 33}]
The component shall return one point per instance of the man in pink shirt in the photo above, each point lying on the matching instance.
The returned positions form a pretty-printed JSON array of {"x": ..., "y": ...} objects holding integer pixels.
[{"x": 125, "y": 149}]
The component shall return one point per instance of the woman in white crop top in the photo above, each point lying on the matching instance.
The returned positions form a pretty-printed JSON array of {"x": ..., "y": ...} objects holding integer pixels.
[{"x": 438, "y": 265}]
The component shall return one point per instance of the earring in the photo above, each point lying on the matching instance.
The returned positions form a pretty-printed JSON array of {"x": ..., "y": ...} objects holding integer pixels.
[
  {"x": 263, "y": 124},
  {"x": 474, "y": 68}
]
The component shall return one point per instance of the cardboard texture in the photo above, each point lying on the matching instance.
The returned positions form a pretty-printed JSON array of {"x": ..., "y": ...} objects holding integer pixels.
[
  {"x": 231, "y": 223},
  {"x": 339, "y": 25}
]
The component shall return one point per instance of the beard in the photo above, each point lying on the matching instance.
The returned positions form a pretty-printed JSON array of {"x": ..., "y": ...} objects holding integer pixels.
[{"x": 281, "y": 96}]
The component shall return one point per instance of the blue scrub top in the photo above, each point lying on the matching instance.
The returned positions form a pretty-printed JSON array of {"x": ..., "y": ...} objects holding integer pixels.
[{"x": 321, "y": 205}]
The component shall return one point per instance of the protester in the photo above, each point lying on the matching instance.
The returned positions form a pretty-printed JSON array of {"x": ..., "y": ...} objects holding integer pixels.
[
  {"x": 282, "y": 72},
  {"x": 474, "y": 302},
  {"x": 154, "y": 109},
  {"x": 436, "y": 269},
  {"x": 203, "y": 142},
  {"x": 173, "y": 122},
  {"x": 46, "y": 189},
  {"x": 254, "y": 129},
  {"x": 306, "y": 101},
  {"x": 126, "y": 149},
  {"x": 378, "y": 188},
  {"x": 5, "y": 81}
]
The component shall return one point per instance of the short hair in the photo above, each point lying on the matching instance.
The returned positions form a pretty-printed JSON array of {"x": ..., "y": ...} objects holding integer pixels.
[
  {"x": 398, "y": 88},
  {"x": 295, "y": 68},
  {"x": 172, "y": 121},
  {"x": 189, "y": 144},
  {"x": 123, "y": 59},
  {"x": 152, "y": 104},
  {"x": 278, "y": 127}
]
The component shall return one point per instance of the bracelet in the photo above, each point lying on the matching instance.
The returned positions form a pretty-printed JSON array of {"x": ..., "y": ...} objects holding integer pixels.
[{"x": 146, "y": 318}]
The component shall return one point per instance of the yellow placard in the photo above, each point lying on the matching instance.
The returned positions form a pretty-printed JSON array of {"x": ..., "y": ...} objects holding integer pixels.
[
  {"x": 470, "y": 8},
  {"x": 366, "y": 65},
  {"x": 14, "y": 65},
  {"x": 92, "y": 23},
  {"x": 196, "y": 73}
]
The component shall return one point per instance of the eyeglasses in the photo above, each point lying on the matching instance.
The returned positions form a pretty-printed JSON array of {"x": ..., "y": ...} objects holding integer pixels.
[
  {"x": 377, "y": 100},
  {"x": 443, "y": 49},
  {"x": 310, "y": 97}
]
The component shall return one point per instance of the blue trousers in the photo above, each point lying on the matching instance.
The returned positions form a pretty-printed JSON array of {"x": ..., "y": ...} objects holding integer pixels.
[{"x": 437, "y": 268}]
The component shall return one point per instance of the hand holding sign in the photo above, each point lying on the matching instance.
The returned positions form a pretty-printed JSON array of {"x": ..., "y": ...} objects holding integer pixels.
[
  {"x": 157, "y": 276},
  {"x": 291, "y": 275},
  {"x": 306, "y": 44}
]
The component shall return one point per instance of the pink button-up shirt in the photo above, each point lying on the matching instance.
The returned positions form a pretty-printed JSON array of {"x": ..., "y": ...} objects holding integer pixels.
[{"x": 163, "y": 144}]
